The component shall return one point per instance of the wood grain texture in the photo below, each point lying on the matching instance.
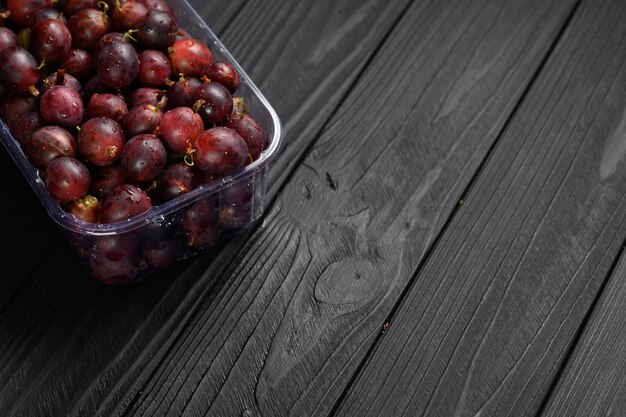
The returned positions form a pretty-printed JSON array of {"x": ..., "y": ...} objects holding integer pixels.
[
  {"x": 303, "y": 301},
  {"x": 71, "y": 347},
  {"x": 492, "y": 314},
  {"x": 28, "y": 233},
  {"x": 593, "y": 383},
  {"x": 323, "y": 47},
  {"x": 218, "y": 14}
]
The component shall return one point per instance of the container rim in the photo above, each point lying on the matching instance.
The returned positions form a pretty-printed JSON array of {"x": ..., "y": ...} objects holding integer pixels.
[{"x": 71, "y": 223}]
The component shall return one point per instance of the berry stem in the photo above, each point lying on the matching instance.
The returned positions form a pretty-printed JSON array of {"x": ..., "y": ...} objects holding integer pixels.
[
  {"x": 104, "y": 6},
  {"x": 129, "y": 34},
  {"x": 33, "y": 90},
  {"x": 198, "y": 105},
  {"x": 60, "y": 76},
  {"x": 152, "y": 186}
]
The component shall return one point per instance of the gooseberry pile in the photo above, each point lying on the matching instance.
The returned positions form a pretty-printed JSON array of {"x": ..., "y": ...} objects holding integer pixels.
[{"x": 120, "y": 110}]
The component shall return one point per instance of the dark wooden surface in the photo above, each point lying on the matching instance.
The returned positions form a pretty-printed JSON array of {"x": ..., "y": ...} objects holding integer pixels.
[
  {"x": 443, "y": 227},
  {"x": 593, "y": 382},
  {"x": 490, "y": 318}
]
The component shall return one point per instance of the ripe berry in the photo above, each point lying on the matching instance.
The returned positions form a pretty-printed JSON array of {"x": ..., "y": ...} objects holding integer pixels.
[
  {"x": 179, "y": 179},
  {"x": 236, "y": 209},
  {"x": 49, "y": 143},
  {"x": 200, "y": 215},
  {"x": 144, "y": 157},
  {"x": 217, "y": 102},
  {"x": 103, "y": 179},
  {"x": 200, "y": 222},
  {"x": 179, "y": 128},
  {"x": 87, "y": 27},
  {"x": 189, "y": 57},
  {"x": 62, "y": 105},
  {"x": 110, "y": 39},
  {"x": 234, "y": 217},
  {"x": 124, "y": 202},
  {"x": 157, "y": 30},
  {"x": 154, "y": 68},
  {"x": 50, "y": 40},
  {"x": 114, "y": 272},
  {"x": 141, "y": 119},
  {"x": 251, "y": 131},
  {"x": 72, "y": 6},
  {"x": 118, "y": 64},
  {"x": 23, "y": 127},
  {"x": 22, "y": 11},
  {"x": 7, "y": 37},
  {"x": 116, "y": 247},
  {"x": 67, "y": 179},
  {"x": 148, "y": 95},
  {"x": 160, "y": 5},
  {"x": 126, "y": 16},
  {"x": 220, "y": 150},
  {"x": 161, "y": 254},
  {"x": 18, "y": 70},
  {"x": 100, "y": 141},
  {"x": 14, "y": 105},
  {"x": 79, "y": 63},
  {"x": 47, "y": 13},
  {"x": 96, "y": 86},
  {"x": 180, "y": 93},
  {"x": 223, "y": 73},
  {"x": 107, "y": 105}
]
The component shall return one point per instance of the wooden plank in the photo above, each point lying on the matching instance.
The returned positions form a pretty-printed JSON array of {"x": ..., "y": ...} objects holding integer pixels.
[
  {"x": 297, "y": 310},
  {"x": 218, "y": 14},
  {"x": 69, "y": 346},
  {"x": 23, "y": 248},
  {"x": 593, "y": 382},
  {"x": 491, "y": 316}
]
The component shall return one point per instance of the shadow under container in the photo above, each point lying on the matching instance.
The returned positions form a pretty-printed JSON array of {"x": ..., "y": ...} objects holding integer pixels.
[{"x": 127, "y": 251}]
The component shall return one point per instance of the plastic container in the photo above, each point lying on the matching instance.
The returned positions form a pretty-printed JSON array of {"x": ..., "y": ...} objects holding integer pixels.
[{"x": 124, "y": 252}]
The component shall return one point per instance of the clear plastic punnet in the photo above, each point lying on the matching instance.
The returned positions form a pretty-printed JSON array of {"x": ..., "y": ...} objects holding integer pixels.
[{"x": 127, "y": 251}]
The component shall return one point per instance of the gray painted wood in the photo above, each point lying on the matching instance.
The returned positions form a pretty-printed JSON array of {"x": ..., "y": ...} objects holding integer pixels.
[
  {"x": 28, "y": 232},
  {"x": 72, "y": 347},
  {"x": 298, "y": 308},
  {"x": 593, "y": 383},
  {"x": 218, "y": 14},
  {"x": 491, "y": 317}
]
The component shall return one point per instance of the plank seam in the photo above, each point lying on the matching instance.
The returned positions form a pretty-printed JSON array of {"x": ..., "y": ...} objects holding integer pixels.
[
  {"x": 430, "y": 250},
  {"x": 30, "y": 275},
  {"x": 190, "y": 318},
  {"x": 233, "y": 17},
  {"x": 584, "y": 324}
]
